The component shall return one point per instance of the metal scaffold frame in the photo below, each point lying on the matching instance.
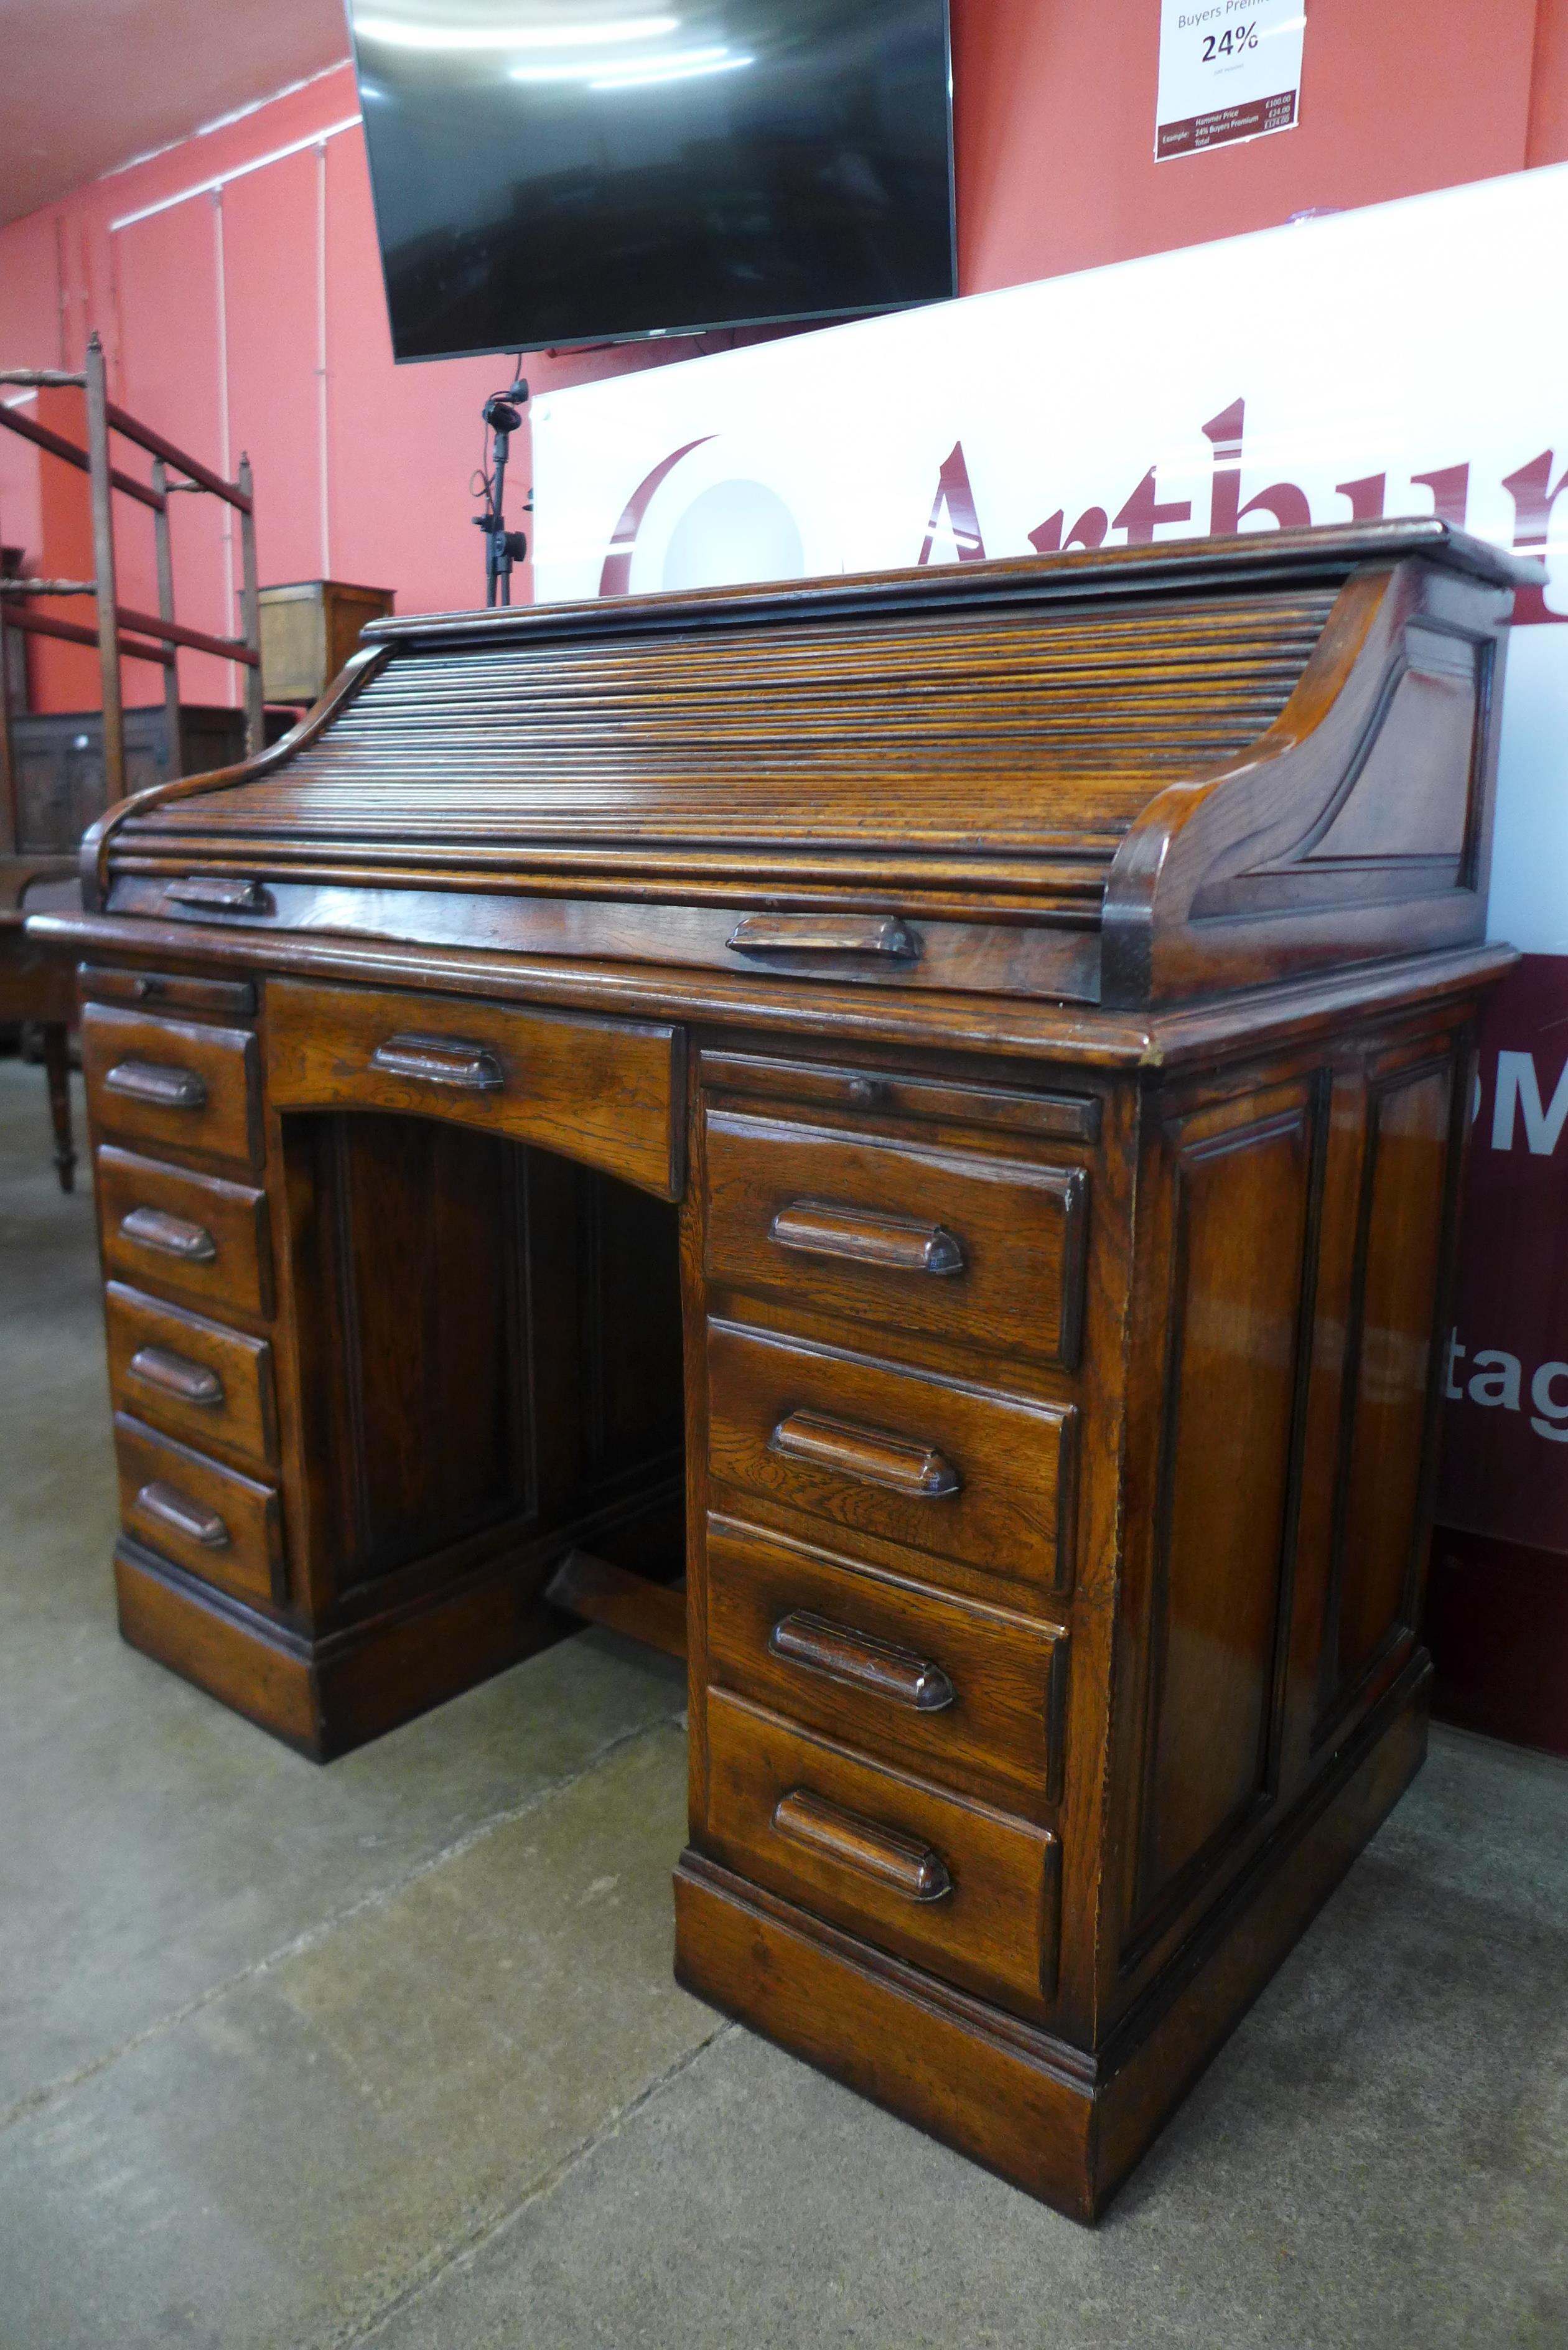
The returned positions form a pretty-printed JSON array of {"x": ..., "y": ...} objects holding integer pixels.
[{"x": 120, "y": 634}]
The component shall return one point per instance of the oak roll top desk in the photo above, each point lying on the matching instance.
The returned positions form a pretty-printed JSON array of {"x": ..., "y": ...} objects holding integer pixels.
[{"x": 931, "y": 1102}]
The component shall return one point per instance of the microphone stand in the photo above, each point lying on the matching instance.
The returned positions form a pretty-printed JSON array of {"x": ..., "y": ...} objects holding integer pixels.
[{"x": 503, "y": 414}]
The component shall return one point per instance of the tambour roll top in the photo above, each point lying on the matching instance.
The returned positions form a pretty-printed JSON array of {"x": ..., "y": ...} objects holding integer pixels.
[{"x": 1128, "y": 775}]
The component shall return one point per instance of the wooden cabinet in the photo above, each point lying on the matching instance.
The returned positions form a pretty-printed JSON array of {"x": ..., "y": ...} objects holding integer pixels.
[
  {"x": 932, "y": 1104},
  {"x": 59, "y": 762},
  {"x": 308, "y": 628},
  {"x": 365, "y": 1399}
]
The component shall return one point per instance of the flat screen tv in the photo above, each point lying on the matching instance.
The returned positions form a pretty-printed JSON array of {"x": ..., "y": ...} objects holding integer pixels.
[{"x": 550, "y": 172}]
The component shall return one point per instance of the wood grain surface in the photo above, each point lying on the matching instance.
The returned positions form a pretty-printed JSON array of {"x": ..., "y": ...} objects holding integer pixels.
[
  {"x": 209, "y": 1242},
  {"x": 606, "y": 1092},
  {"x": 172, "y": 1085}
]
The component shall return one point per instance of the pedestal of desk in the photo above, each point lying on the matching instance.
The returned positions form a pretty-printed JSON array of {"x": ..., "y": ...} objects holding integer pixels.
[
  {"x": 1050, "y": 1443},
  {"x": 374, "y": 1371}
]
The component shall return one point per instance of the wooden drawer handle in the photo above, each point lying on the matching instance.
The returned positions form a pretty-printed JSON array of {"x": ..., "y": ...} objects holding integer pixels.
[
  {"x": 900, "y": 1862},
  {"x": 218, "y": 892},
  {"x": 169, "y": 1235},
  {"x": 175, "y": 1376},
  {"x": 168, "y": 1506},
  {"x": 900, "y": 1462},
  {"x": 439, "y": 1061},
  {"x": 861, "y": 1661},
  {"x": 151, "y": 1081},
  {"x": 901, "y": 1243},
  {"x": 867, "y": 934}
]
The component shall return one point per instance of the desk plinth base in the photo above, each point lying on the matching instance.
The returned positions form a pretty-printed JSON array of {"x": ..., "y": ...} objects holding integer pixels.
[
  {"x": 324, "y": 1697},
  {"x": 1062, "y": 2124}
]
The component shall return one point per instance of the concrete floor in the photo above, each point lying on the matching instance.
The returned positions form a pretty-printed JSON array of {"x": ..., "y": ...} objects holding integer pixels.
[{"x": 389, "y": 2053}]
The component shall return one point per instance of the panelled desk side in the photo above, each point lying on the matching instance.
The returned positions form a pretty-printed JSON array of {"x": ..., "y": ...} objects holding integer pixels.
[{"x": 1014, "y": 1256}]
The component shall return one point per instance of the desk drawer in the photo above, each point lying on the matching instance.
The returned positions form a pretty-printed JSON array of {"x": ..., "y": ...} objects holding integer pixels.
[
  {"x": 172, "y": 1084},
  {"x": 986, "y": 1251},
  {"x": 223, "y": 1527},
  {"x": 964, "y": 1695},
  {"x": 165, "y": 1227},
  {"x": 948, "y": 1473},
  {"x": 168, "y": 991},
  {"x": 606, "y": 1092},
  {"x": 964, "y": 1891},
  {"x": 191, "y": 1376}
]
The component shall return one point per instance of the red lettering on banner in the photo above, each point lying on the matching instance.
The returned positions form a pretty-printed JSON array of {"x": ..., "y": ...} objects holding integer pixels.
[
  {"x": 1451, "y": 488},
  {"x": 1089, "y": 530},
  {"x": 1143, "y": 510},
  {"x": 1365, "y": 496},
  {"x": 955, "y": 497},
  {"x": 1531, "y": 488},
  {"x": 615, "y": 579},
  {"x": 1532, "y": 505},
  {"x": 1224, "y": 432},
  {"x": 1287, "y": 504}
]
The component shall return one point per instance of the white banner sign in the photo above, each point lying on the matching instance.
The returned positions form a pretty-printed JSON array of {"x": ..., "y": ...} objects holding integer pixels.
[
  {"x": 1408, "y": 359},
  {"x": 1229, "y": 69}
]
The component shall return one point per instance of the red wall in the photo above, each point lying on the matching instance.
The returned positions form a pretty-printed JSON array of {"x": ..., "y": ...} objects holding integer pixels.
[
  {"x": 245, "y": 316},
  {"x": 249, "y": 316},
  {"x": 1056, "y": 103}
]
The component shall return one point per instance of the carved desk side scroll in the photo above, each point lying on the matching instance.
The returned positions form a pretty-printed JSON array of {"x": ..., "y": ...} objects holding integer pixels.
[{"x": 932, "y": 1104}]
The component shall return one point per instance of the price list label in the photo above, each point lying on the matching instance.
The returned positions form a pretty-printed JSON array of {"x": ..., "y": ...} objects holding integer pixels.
[{"x": 1229, "y": 69}]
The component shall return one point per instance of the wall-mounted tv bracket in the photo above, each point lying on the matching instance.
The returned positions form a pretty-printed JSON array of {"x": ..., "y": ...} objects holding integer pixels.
[{"x": 503, "y": 413}]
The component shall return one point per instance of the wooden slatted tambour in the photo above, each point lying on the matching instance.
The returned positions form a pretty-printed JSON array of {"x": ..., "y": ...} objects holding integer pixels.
[
  {"x": 674, "y": 738},
  {"x": 916, "y": 747},
  {"x": 931, "y": 1103}
]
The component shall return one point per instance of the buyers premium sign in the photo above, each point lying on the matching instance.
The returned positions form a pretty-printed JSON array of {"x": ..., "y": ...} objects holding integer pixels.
[{"x": 1229, "y": 69}]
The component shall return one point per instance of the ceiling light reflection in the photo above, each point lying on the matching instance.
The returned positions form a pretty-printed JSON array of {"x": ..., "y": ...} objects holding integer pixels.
[
  {"x": 640, "y": 78},
  {"x": 671, "y": 64},
  {"x": 393, "y": 34}
]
